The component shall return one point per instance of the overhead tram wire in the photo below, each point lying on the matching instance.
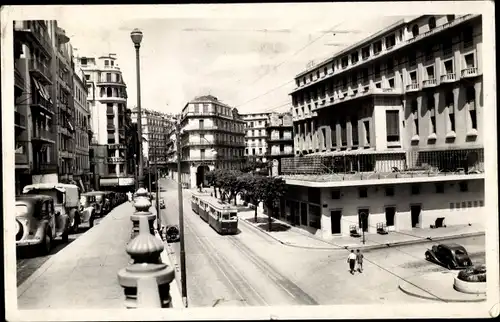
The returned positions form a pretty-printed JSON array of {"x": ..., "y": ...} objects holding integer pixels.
[{"x": 275, "y": 67}]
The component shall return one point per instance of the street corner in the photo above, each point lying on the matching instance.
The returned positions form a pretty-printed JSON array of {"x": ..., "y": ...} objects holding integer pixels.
[{"x": 437, "y": 286}]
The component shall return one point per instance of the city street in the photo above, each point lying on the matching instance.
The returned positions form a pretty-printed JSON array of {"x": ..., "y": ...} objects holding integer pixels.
[
  {"x": 29, "y": 259},
  {"x": 252, "y": 269}
]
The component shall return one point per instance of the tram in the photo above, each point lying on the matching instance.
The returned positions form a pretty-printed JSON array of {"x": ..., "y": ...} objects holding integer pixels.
[
  {"x": 195, "y": 201},
  {"x": 222, "y": 217}
]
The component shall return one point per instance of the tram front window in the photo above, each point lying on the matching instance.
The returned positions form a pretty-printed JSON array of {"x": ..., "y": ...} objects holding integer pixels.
[
  {"x": 225, "y": 217},
  {"x": 233, "y": 215}
]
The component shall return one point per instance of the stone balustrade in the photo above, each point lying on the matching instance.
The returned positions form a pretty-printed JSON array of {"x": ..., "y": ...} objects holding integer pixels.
[{"x": 146, "y": 281}]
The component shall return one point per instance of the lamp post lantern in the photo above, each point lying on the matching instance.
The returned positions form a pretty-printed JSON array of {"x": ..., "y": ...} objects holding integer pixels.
[{"x": 136, "y": 36}]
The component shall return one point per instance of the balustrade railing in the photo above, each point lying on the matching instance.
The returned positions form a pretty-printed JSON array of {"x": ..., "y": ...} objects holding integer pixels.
[{"x": 146, "y": 281}]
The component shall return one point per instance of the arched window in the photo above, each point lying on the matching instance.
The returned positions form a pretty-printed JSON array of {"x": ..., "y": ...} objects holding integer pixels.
[
  {"x": 115, "y": 92},
  {"x": 414, "y": 30},
  {"x": 103, "y": 91},
  {"x": 432, "y": 23},
  {"x": 109, "y": 92}
]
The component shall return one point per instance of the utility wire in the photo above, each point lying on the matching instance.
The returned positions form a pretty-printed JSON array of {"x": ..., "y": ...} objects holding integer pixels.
[{"x": 275, "y": 67}]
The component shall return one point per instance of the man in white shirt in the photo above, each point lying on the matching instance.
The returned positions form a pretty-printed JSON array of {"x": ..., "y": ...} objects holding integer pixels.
[{"x": 351, "y": 259}]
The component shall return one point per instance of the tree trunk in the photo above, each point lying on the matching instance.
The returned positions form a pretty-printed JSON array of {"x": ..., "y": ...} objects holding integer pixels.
[
  {"x": 235, "y": 197},
  {"x": 215, "y": 192},
  {"x": 255, "y": 214}
]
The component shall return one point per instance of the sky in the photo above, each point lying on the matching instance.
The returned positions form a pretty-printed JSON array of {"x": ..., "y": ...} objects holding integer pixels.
[{"x": 246, "y": 58}]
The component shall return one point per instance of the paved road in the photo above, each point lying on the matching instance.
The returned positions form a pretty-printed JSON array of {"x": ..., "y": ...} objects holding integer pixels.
[
  {"x": 252, "y": 269},
  {"x": 29, "y": 259},
  {"x": 223, "y": 270}
]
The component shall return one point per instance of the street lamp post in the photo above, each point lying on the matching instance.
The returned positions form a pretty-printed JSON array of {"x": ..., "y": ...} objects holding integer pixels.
[{"x": 136, "y": 36}]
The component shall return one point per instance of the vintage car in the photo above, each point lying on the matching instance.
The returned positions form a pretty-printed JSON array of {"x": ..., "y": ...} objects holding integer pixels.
[
  {"x": 162, "y": 203},
  {"x": 108, "y": 201},
  {"x": 66, "y": 199},
  {"x": 88, "y": 208},
  {"x": 172, "y": 233},
  {"x": 99, "y": 202},
  {"x": 37, "y": 223},
  {"x": 451, "y": 256}
]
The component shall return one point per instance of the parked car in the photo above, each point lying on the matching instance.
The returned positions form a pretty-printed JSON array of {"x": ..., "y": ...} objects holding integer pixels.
[
  {"x": 172, "y": 233},
  {"x": 37, "y": 223},
  {"x": 88, "y": 208},
  {"x": 100, "y": 210},
  {"x": 162, "y": 203},
  {"x": 451, "y": 256},
  {"x": 66, "y": 199}
]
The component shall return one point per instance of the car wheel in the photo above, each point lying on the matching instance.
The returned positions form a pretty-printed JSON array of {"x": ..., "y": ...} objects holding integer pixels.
[
  {"x": 75, "y": 222},
  {"x": 46, "y": 244},
  {"x": 449, "y": 266},
  {"x": 91, "y": 220},
  {"x": 428, "y": 256}
]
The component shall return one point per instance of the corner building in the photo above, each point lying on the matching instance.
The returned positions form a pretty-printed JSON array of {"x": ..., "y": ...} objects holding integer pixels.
[
  {"x": 389, "y": 132},
  {"x": 256, "y": 136},
  {"x": 212, "y": 137}
]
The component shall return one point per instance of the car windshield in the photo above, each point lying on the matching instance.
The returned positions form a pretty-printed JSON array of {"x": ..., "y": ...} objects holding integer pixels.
[
  {"x": 56, "y": 194},
  {"x": 21, "y": 210}
]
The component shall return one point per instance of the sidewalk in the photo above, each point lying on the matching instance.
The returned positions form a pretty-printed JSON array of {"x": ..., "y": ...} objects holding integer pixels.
[
  {"x": 83, "y": 275},
  {"x": 296, "y": 237}
]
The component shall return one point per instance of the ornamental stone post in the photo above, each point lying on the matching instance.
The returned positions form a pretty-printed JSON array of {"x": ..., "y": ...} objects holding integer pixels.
[
  {"x": 142, "y": 203},
  {"x": 146, "y": 282}
]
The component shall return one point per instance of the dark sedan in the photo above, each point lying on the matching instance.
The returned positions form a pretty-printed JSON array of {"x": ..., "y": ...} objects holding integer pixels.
[{"x": 451, "y": 256}]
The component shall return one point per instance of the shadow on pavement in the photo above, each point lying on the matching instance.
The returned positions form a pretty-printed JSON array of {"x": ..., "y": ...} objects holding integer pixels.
[
  {"x": 274, "y": 226},
  {"x": 33, "y": 252},
  {"x": 260, "y": 220}
]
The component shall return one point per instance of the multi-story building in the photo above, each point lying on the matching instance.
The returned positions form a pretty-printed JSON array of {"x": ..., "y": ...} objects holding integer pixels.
[
  {"x": 107, "y": 97},
  {"x": 82, "y": 130},
  {"x": 64, "y": 108},
  {"x": 280, "y": 136},
  {"x": 256, "y": 136},
  {"x": 35, "y": 115},
  {"x": 212, "y": 136},
  {"x": 392, "y": 131},
  {"x": 155, "y": 126}
]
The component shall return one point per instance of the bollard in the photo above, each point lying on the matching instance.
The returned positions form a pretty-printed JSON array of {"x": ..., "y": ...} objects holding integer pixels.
[
  {"x": 142, "y": 205},
  {"x": 146, "y": 282}
]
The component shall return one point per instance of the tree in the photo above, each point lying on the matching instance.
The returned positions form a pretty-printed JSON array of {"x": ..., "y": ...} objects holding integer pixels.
[
  {"x": 230, "y": 184},
  {"x": 216, "y": 179},
  {"x": 271, "y": 190},
  {"x": 253, "y": 190}
]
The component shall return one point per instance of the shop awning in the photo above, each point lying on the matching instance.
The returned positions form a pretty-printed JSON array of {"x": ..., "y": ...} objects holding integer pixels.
[{"x": 42, "y": 90}]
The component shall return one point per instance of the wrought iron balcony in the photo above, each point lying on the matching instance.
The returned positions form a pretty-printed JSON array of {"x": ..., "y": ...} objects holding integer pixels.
[
  {"x": 448, "y": 78},
  {"x": 39, "y": 102},
  {"x": 41, "y": 71},
  {"x": 469, "y": 72}
]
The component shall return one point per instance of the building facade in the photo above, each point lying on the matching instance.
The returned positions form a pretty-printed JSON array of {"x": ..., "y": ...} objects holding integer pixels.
[
  {"x": 280, "y": 137},
  {"x": 34, "y": 112},
  {"x": 384, "y": 124},
  {"x": 82, "y": 130},
  {"x": 62, "y": 91},
  {"x": 155, "y": 128},
  {"x": 256, "y": 136},
  {"x": 212, "y": 137},
  {"x": 107, "y": 97}
]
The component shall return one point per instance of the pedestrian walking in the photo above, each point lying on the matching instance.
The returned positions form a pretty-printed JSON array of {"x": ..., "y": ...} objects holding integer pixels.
[
  {"x": 351, "y": 259},
  {"x": 359, "y": 259}
]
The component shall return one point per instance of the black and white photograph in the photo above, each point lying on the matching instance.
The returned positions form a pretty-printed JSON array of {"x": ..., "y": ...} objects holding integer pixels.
[{"x": 250, "y": 161}]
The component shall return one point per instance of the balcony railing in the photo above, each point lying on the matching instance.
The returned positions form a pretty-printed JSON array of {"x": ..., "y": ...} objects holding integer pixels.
[
  {"x": 19, "y": 120},
  {"x": 431, "y": 82},
  {"x": 277, "y": 139},
  {"x": 448, "y": 78},
  {"x": 393, "y": 48},
  {"x": 39, "y": 35},
  {"x": 412, "y": 87},
  {"x": 40, "y": 134},
  {"x": 39, "y": 102},
  {"x": 208, "y": 142},
  {"x": 281, "y": 153},
  {"x": 364, "y": 166},
  {"x": 469, "y": 72},
  {"x": 41, "y": 70}
]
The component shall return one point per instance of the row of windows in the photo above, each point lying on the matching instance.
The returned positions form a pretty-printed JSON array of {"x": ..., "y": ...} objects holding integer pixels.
[
  {"x": 251, "y": 124},
  {"x": 225, "y": 152},
  {"x": 80, "y": 96},
  {"x": 82, "y": 162},
  {"x": 224, "y": 125},
  {"x": 370, "y": 50},
  {"x": 82, "y": 140},
  {"x": 428, "y": 72},
  {"x": 113, "y": 92},
  {"x": 219, "y": 137},
  {"x": 210, "y": 108},
  {"x": 256, "y": 132},
  {"x": 106, "y": 77}
]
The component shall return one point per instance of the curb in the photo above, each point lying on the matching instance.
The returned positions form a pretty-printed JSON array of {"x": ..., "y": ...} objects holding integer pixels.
[
  {"x": 370, "y": 247},
  {"x": 402, "y": 289}
]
